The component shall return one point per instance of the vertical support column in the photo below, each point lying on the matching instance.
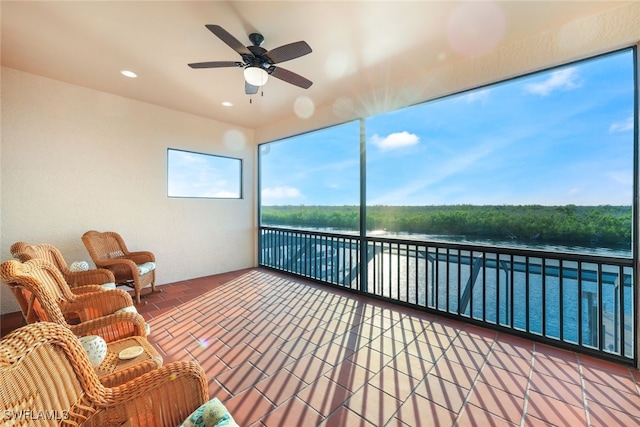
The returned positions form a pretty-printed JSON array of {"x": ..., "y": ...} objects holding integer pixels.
[
  {"x": 364, "y": 258},
  {"x": 636, "y": 217}
]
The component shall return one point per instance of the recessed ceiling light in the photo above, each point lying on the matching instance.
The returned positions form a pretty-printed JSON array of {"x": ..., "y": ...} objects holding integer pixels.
[
  {"x": 227, "y": 104},
  {"x": 128, "y": 73}
]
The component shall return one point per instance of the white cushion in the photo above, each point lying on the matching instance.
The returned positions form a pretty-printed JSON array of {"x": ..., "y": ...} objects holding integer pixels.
[
  {"x": 79, "y": 266},
  {"x": 109, "y": 285},
  {"x": 146, "y": 267}
]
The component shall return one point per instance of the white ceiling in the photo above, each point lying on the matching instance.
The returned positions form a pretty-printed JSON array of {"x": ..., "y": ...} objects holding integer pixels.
[{"x": 358, "y": 47}]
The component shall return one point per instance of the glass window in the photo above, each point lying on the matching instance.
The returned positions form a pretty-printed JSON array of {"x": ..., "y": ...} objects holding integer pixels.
[
  {"x": 202, "y": 175},
  {"x": 312, "y": 180},
  {"x": 543, "y": 159}
]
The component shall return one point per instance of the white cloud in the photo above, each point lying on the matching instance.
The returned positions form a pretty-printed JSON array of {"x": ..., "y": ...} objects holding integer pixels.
[
  {"x": 481, "y": 96},
  {"x": 283, "y": 192},
  {"x": 395, "y": 140},
  {"x": 558, "y": 80},
  {"x": 622, "y": 126}
]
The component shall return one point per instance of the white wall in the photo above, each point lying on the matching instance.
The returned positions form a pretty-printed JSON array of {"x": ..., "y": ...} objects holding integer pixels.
[{"x": 75, "y": 159}]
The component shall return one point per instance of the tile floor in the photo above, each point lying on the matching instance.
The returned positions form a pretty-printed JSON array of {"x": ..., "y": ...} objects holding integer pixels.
[{"x": 279, "y": 351}]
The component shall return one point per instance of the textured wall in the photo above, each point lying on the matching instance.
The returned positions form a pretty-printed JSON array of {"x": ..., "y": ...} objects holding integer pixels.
[{"x": 75, "y": 159}]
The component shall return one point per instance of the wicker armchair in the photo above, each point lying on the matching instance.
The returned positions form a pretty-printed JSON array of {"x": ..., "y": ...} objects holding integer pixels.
[
  {"x": 45, "y": 371},
  {"x": 43, "y": 295},
  {"x": 32, "y": 284},
  {"x": 134, "y": 269},
  {"x": 24, "y": 252}
]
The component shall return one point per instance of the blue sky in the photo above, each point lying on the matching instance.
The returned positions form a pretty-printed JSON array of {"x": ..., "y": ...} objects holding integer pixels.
[
  {"x": 202, "y": 175},
  {"x": 563, "y": 136}
]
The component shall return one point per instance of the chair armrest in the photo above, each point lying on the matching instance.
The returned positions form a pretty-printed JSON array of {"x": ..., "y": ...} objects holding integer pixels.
[
  {"x": 86, "y": 289},
  {"x": 115, "y": 262},
  {"x": 113, "y": 327},
  {"x": 141, "y": 257},
  {"x": 89, "y": 277},
  {"x": 163, "y": 397},
  {"x": 91, "y": 305}
]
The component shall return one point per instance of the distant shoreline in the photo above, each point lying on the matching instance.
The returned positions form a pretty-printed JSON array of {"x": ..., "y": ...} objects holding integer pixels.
[{"x": 590, "y": 226}]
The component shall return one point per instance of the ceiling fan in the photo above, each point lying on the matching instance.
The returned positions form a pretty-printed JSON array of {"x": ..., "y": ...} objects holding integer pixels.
[{"x": 259, "y": 63}]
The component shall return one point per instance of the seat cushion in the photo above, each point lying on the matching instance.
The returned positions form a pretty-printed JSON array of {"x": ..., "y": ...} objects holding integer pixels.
[
  {"x": 146, "y": 267},
  {"x": 210, "y": 414}
]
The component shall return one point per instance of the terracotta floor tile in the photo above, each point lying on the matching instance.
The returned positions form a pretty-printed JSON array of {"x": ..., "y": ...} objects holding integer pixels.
[
  {"x": 566, "y": 391},
  {"x": 475, "y": 342},
  {"x": 373, "y": 404},
  {"x": 473, "y": 416},
  {"x": 271, "y": 361},
  {"x": 411, "y": 365},
  {"x": 558, "y": 355},
  {"x": 514, "y": 345},
  {"x": 437, "y": 336},
  {"x": 446, "y": 394},
  {"x": 394, "y": 382},
  {"x": 335, "y": 352},
  {"x": 320, "y": 335},
  {"x": 557, "y": 369},
  {"x": 324, "y": 395},
  {"x": 309, "y": 368},
  {"x": 298, "y": 347},
  {"x": 280, "y": 386},
  {"x": 248, "y": 328},
  {"x": 510, "y": 362},
  {"x": 555, "y": 411},
  {"x": 236, "y": 355},
  {"x": 465, "y": 357},
  {"x": 613, "y": 398},
  {"x": 344, "y": 417},
  {"x": 455, "y": 373},
  {"x": 425, "y": 350},
  {"x": 349, "y": 375},
  {"x": 267, "y": 342},
  {"x": 504, "y": 380},
  {"x": 620, "y": 378},
  {"x": 603, "y": 416},
  {"x": 497, "y": 402},
  {"x": 248, "y": 407},
  {"x": 371, "y": 359},
  {"x": 386, "y": 345},
  {"x": 240, "y": 378},
  {"x": 419, "y": 411}
]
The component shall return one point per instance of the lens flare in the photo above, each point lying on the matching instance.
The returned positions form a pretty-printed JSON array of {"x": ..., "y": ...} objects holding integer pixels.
[
  {"x": 234, "y": 140},
  {"x": 304, "y": 107}
]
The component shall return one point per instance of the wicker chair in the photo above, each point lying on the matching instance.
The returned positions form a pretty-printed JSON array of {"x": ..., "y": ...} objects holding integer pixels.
[
  {"x": 24, "y": 252},
  {"x": 134, "y": 269},
  {"x": 45, "y": 372},
  {"x": 43, "y": 295},
  {"x": 33, "y": 284}
]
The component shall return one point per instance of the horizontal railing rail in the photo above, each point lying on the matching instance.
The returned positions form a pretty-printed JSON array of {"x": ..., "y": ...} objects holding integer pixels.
[{"x": 579, "y": 301}]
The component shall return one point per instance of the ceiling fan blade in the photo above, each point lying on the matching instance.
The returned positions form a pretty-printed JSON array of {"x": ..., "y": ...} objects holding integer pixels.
[
  {"x": 231, "y": 41},
  {"x": 250, "y": 89},
  {"x": 216, "y": 64},
  {"x": 288, "y": 52},
  {"x": 290, "y": 77}
]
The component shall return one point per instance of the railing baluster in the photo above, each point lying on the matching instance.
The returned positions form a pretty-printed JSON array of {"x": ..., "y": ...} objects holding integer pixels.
[{"x": 427, "y": 280}]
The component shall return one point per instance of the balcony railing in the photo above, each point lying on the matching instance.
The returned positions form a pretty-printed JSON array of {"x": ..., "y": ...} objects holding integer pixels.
[{"x": 576, "y": 301}]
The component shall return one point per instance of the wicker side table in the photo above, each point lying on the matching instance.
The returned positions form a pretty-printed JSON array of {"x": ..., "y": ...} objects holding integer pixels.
[{"x": 114, "y": 371}]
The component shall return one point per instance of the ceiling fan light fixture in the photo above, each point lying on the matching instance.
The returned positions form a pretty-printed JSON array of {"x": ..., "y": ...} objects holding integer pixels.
[{"x": 256, "y": 76}]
